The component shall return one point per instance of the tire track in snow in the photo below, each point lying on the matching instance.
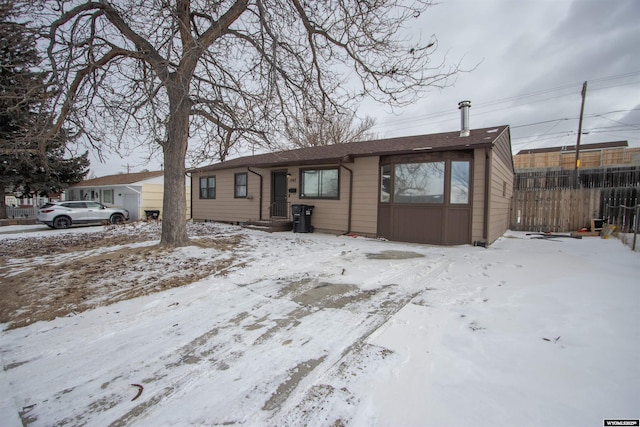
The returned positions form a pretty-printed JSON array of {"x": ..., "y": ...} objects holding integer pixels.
[{"x": 316, "y": 404}]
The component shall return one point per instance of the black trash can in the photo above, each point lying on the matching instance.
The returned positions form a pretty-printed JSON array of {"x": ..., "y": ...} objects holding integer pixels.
[
  {"x": 152, "y": 215},
  {"x": 302, "y": 218}
]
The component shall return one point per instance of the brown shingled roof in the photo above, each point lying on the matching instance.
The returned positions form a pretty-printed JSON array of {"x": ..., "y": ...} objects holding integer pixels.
[
  {"x": 332, "y": 153},
  {"x": 120, "y": 179}
]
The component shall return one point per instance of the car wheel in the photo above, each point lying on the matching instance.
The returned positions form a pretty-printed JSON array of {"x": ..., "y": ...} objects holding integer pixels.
[
  {"x": 62, "y": 222},
  {"x": 117, "y": 219}
]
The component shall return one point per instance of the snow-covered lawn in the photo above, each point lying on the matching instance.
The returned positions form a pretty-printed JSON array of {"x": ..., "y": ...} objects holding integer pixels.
[{"x": 318, "y": 330}]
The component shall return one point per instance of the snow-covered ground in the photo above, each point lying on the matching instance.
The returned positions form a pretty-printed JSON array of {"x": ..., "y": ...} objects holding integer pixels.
[{"x": 322, "y": 330}]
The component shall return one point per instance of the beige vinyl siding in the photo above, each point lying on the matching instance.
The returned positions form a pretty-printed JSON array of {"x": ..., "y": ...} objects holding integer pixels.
[
  {"x": 329, "y": 215},
  {"x": 152, "y": 195},
  {"x": 364, "y": 215},
  {"x": 477, "y": 220},
  {"x": 188, "y": 200},
  {"x": 501, "y": 188},
  {"x": 333, "y": 215},
  {"x": 225, "y": 207},
  {"x": 202, "y": 209},
  {"x": 266, "y": 191},
  {"x": 152, "y": 199}
]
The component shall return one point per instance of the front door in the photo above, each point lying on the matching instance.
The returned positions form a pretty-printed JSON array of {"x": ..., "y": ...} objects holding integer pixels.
[{"x": 279, "y": 195}]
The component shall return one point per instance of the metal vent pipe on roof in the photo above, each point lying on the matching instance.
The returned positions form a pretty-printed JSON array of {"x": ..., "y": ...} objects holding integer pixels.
[{"x": 464, "y": 106}]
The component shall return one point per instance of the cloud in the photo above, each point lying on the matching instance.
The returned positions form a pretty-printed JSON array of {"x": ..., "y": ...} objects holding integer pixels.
[
  {"x": 596, "y": 39},
  {"x": 534, "y": 57}
]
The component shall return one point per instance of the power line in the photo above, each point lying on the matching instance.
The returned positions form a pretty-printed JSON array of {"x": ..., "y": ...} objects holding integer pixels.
[
  {"x": 592, "y": 115},
  {"x": 571, "y": 133},
  {"x": 542, "y": 122},
  {"x": 479, "y": 106}
]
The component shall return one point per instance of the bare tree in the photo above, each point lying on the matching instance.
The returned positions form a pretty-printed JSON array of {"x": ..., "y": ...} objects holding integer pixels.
[
  {"x": 176, "y": 72},
  {"x": 314, "y": 129}
]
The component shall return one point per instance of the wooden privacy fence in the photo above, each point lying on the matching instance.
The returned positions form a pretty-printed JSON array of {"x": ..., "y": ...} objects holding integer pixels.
[
  {"x": 560, "y": 210},
  {"x": 564, "y": 210}
]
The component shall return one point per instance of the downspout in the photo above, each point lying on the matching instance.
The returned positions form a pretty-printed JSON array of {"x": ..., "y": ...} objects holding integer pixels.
[
  {"x": 487, "y": 194},
  {"x": 260, "y": 197},
  {"x": 350, "y": 197},
  {"x": 191, "y": 195}
]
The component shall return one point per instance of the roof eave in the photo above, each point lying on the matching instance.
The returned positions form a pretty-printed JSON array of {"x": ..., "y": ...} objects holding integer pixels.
[{"x": 459, "y": 146}]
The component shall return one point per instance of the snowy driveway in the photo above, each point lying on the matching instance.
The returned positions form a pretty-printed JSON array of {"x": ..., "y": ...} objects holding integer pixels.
[{"x": 323, "y": 330}]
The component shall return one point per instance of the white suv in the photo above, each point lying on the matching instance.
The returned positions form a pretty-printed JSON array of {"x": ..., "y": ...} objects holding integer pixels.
[{"x": 66, "y": 214}]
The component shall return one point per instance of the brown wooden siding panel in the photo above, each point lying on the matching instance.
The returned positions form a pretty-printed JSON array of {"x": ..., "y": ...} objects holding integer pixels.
[
  {"x": 417, "y": 224},
  {"x": 437, "y": 223},
  {"x": 384, "y": 220},
  {"x": 477, "y": 215},
  {"x": 458, "y": 226}
]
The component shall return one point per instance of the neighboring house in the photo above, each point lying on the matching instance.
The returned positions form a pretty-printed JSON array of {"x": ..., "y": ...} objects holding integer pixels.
[
  {"x": 20, "y": 200},
  {"x": 598, "y": 155},
  {"x": 136, "y": 192},
  {"x": 602, "y": 165},
  {"x": 446, "y": 189}
]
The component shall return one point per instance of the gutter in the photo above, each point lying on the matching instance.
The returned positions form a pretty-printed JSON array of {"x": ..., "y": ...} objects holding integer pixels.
[
  {"x": 133, "y": 189},
  {"x": 350, "y": 196},
  {"x": 260, "y": 197}
]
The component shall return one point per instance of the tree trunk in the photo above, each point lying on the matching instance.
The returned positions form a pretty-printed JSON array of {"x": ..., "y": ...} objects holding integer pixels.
[{"x": 174, "y": 208}]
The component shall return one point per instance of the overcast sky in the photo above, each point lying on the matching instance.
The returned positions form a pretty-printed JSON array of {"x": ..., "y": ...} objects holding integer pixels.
[{"x": 531, "y": 58}]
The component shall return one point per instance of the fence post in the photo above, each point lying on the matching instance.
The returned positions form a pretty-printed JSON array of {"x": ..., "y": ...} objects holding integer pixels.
[{"x": 635, "y": 228}]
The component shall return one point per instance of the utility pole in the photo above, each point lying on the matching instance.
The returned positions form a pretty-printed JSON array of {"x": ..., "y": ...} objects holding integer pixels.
[{"x": 584, "y": 95}]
